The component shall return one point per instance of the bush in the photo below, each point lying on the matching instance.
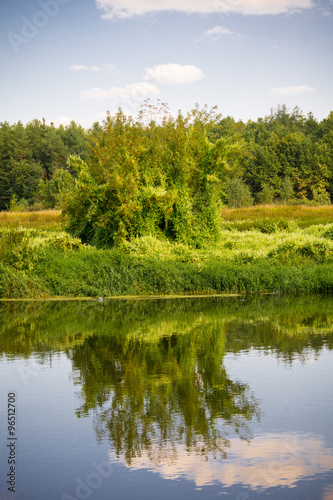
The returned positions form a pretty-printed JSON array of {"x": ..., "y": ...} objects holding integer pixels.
[
  {"x": 321, "y": 198},
  {"x": 16, "y": 249},
  {"x": 239, "y": 194},
  {"x": 266, "y": 195},
  {"x": 17, "y": 205},
  {"x": 292, "y": 253},
  {"x": 161, "y": 179},
  {"x": 286, "y": 190}
]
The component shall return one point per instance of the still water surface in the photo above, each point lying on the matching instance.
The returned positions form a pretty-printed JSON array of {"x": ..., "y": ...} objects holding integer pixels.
[{"x": 170, "y": 399}]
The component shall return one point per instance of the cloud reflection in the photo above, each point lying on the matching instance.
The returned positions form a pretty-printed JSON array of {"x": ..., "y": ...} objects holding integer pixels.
[
  {"x": 328, "y": 493},
  {"x": 270, "y": 460}
]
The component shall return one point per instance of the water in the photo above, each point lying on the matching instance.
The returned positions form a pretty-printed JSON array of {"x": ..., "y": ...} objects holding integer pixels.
[{"x": 171, "y": 399}]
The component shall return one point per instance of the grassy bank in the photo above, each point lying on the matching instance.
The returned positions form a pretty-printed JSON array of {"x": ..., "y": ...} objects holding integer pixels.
[{"x": 272, "y": 253}]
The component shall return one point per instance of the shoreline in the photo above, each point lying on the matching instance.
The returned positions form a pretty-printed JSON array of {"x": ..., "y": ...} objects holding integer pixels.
[{"x": 138, "y": 297}]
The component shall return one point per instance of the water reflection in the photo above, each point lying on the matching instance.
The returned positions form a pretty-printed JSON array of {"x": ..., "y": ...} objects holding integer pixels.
[
  {"x": 152, "y": 375},
  {"x": 172, "y": 390},
  {"x": 270, "y": 461},
  {"x": 328, "y": 493},
  {"x": 286, "y": 325}
]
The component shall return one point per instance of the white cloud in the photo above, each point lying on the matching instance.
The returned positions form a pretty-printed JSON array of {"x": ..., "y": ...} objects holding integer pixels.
[
  {"x": 133, "y": 92},
  {"x": 218, "y": 30},
  {"x": 290, "y": 90},
  {"x": 82, "y": 67},
  {"x": 79, "y": 67},
  {"x": 173, "y": 73},
  {"x": 129, "y": 8}
]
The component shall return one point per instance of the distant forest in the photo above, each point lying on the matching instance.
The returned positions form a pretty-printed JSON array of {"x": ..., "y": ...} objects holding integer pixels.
[{"x": 285, "y": 156}]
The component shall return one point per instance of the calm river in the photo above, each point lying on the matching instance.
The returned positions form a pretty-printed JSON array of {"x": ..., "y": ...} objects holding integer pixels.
[{"x": 194, "y": 398}]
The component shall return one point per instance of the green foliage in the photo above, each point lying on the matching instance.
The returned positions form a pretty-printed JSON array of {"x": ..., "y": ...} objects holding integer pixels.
[
  {"x": 286, "y": 145},
  {"x": 18, "y": 206},
  {"x": 163, "y": 179},
  {"x": 321, "y": 197},
  {"x": 169, "y": 153},
  {"x": 268, "y": 255},
  {"x": 266, "y": 195},
  {"x": 293, "y": 253},
  {"x": 16, "y": 249},
  {"x": 23, "y": 249},
  {"x": 239, "y": 194},
  {"x": 33, "y": 153},
  {"x": 286, "y": 190},
  {"x": 53, "y": 193}
]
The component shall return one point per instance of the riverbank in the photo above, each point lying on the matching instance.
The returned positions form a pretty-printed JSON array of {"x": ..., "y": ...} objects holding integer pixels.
[{"x": 254, "y": 255}]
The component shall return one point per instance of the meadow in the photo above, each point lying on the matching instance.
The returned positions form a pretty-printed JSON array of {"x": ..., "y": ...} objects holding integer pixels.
[{"x": 262, "y": 249}]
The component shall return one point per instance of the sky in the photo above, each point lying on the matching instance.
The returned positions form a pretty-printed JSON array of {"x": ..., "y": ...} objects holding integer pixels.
[{"x": 65, "y": 60}]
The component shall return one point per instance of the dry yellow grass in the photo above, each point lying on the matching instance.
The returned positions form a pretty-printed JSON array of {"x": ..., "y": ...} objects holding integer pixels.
[
  {"x": 304, "y": 215},
  {"x": 44, "y": 219}
]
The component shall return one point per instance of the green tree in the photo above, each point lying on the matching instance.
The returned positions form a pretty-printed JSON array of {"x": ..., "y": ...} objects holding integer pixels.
[
  {"x": 286, "y": 190},
  {"x": 239, "y": 194},
  {"x": 266, "y": 195}
]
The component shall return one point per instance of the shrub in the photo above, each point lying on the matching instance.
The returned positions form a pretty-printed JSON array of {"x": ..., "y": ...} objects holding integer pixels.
[
  {"x": 16, "y": 249},
  {"x": 286, "y": 190},
  {"x": 239, "y": 194},
  {"x": 17, "y": 205},
  {"x": 161, "y": 179},
  {"x": 292, "y": 253},
  {"x": 321, "y": 197},
  {"x": 266, "y": 195}
]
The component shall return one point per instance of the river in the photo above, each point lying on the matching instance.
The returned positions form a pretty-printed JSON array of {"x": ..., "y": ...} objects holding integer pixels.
[{"x": 192, "y": 398}]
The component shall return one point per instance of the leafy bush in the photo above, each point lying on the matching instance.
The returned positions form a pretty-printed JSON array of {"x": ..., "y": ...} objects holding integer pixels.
[
  {"x": 16, "y": 249},
  {"x": 266, "y": 195},
  {"x": 286, "y": 190},
  {"x": 23, "y": 248},
  {"x": 18, "y": 206},
  {"x": 239, "y": 194},
  {"x": 54, "y": 192},
  {"x": 289, "y": 252},
  {"x": 328, "y": 232},
  {"x": 158, "y": 179},
  {"x": 321, "y": 197}
]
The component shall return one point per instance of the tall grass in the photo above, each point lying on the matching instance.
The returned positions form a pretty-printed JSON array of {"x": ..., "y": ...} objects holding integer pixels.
[
  {"x": 265, "y": 254},
  {"x": 41, "y": 263},
  {"x": 44, "y": 219},
  {"x": 302, "y": 214}
]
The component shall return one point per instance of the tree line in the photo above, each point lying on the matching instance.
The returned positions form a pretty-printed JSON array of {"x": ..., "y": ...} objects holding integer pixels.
[
  {"x": 160, "y": 173},
  {"x": 33, "y": 162}
]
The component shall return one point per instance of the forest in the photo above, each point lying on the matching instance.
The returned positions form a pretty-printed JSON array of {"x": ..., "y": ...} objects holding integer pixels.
[{"x": 284, "y": 155}]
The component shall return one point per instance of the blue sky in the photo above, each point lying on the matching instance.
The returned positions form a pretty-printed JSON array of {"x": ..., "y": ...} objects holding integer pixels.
[{"x": 66, "y": 60}]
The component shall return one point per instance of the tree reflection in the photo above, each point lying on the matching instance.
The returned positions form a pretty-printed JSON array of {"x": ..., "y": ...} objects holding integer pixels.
[
  {"x": 150, "y": 396},
  {"x": 152, "y": 372}
]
